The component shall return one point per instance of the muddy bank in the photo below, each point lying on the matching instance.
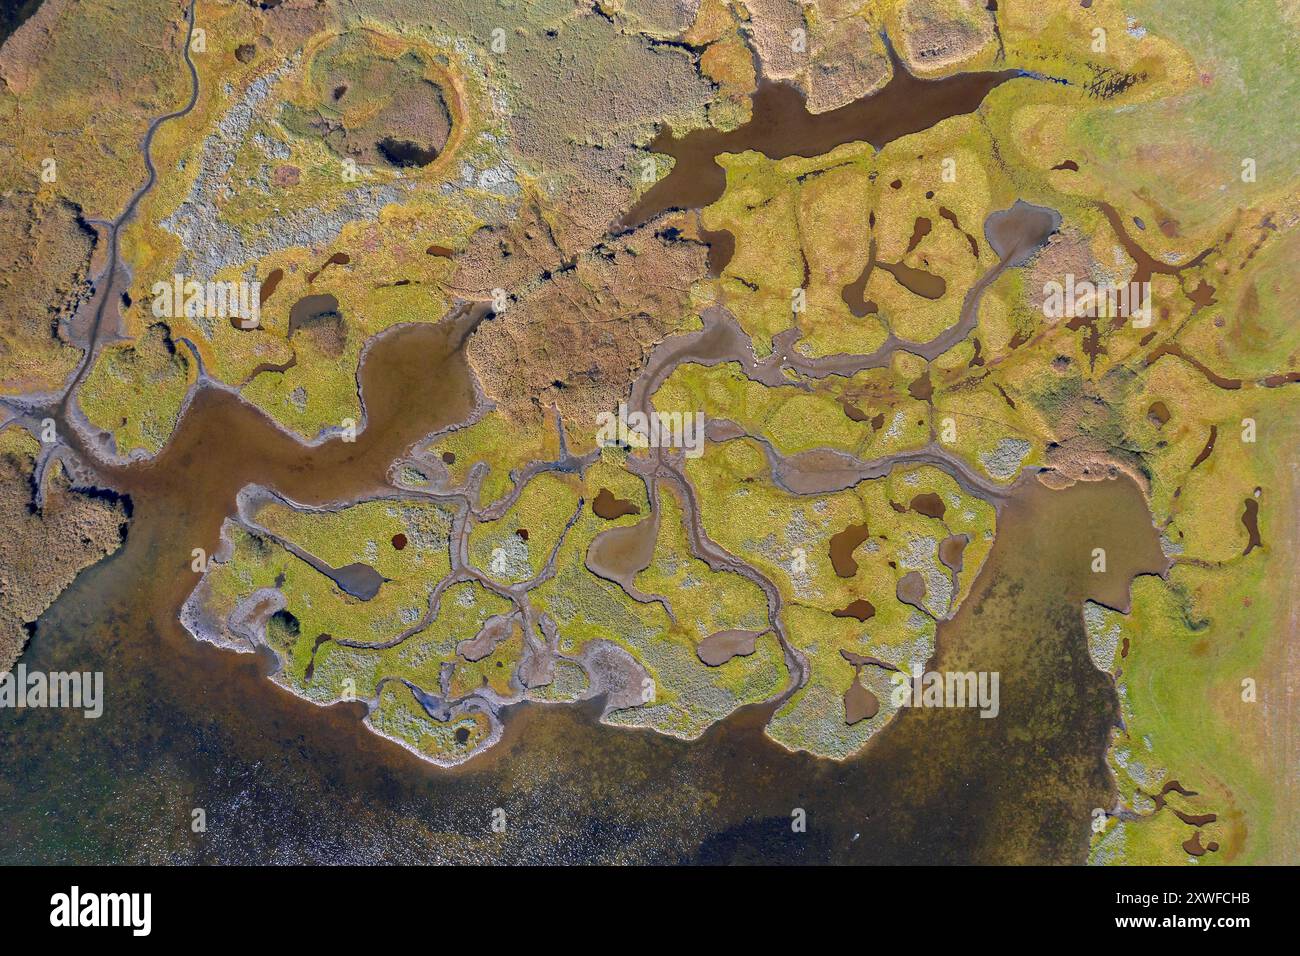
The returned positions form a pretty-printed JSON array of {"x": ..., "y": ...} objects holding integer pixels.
[
  {"x": 14, "y": 14},
  {"x": 1015, "y": 234}
]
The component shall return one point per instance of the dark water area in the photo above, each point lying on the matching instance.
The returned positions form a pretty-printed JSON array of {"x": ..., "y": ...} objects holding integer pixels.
[
  {"x": 403, "y": 153},
  {"x": 606, "y": 506},
  {"x": 13, "y": 14},
  {"x": 187, "y": 726},
  {"x": 1250, "y": 518}
]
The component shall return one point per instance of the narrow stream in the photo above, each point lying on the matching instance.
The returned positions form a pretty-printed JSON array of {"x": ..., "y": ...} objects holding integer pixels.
[{"x": 187, "y": 726}]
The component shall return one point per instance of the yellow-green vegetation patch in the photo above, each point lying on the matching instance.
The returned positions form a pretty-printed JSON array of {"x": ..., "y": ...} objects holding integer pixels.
[
  {"x": 793, "y": 419},
  {"x": 1192, "y": 681},
  {"x": 418, "y": 659},
  {"x": 135, "y": 390},
  {"x": 796, "y": 543},
  {"x": 315, "y": 605},
  {"x": 515, "y": 547},
  {"x": 689, "y": 696},
  {"x": 989, "y": 428},
  {"x": 401, "y": 717},
  {"x": 503, "y": 444},
  {"x": 366, "y": 532}
]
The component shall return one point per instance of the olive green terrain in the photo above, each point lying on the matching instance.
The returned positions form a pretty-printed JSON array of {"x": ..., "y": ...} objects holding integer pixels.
[{"x": 380, "y": 164}]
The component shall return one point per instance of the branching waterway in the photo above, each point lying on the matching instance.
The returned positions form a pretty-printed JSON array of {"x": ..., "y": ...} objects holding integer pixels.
[{"x": 187, "y": 725}]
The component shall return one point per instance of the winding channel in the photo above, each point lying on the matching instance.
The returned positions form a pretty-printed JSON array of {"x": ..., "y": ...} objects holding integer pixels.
[
  {"x": 1014, "y": 234},
  {"x": 114, "y": 228},
  {"x": 414, "y": 383}
]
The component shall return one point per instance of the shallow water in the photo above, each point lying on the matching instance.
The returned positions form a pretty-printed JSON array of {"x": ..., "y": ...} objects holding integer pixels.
[
  {"x": 781, "y": 126},
  {"x": 14, "y": 13},
  {"x": 189, "y": 726}
]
